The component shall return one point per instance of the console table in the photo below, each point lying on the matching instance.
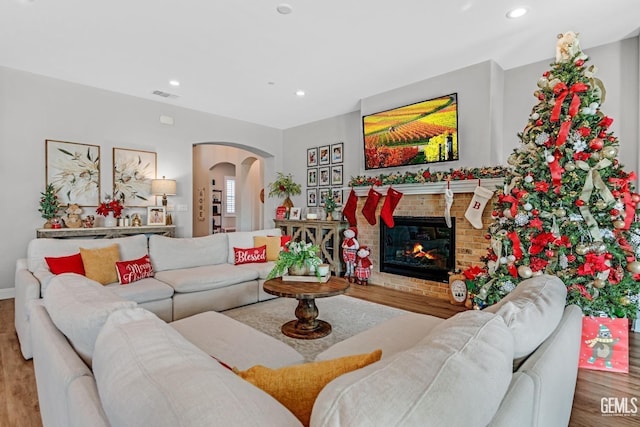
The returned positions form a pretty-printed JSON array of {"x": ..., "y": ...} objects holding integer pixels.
[
  {"x": 326, "y": 234},
  {"x": 105, "y": 232}
]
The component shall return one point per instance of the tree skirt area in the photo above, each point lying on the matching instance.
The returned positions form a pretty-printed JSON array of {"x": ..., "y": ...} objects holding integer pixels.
[{"x": 348, "y": 316}]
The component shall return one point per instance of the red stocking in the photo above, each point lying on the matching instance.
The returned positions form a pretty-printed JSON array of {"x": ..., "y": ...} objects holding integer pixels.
[
  {"x": 370, "y": 206},
  {"x": 389, "y": 205},
  {"x": 349, "y": 210}
]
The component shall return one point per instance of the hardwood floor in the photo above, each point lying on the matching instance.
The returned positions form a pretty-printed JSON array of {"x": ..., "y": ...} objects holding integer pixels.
[{"x": 19, "y": 402}]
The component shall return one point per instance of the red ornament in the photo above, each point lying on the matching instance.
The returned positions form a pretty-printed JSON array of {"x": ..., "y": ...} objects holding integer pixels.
[
  {"x": 608, "y": 255},
  {"x": 615, "y": 193},
  {"x": 546, "y": 73},
  {"x": 571, "y": 257},
  {"x": 487, "y": 236},
  {"x": 602, "y": 134},
  {"x": 495, "y": 214},
  {"x": 635, "y": 197},
  {"x": 549, "y": 253},
  {"x": 579, "y": 62},
  {"x": 596, "y": 144},
  {"x": 579, "y": 202},
  {"x": 614, "y": 212},
  {"x": 538, "y": 122},
  {"x": 535, "y": 212},
  {"x": 541, "y": 96},
  {"x": 611, "y": 138}
]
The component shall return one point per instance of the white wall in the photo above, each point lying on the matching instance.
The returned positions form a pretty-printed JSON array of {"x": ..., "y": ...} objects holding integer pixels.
[{"x": 35, "y": 108}]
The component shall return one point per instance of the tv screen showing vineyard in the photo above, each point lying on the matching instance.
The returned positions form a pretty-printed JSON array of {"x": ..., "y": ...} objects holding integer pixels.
[{"x": 424, "y": 132}]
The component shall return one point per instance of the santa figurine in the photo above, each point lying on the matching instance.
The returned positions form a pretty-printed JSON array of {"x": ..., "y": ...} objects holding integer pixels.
[
  {"x": 350, "y": 247},
  {"x": 363, "y": 266}
]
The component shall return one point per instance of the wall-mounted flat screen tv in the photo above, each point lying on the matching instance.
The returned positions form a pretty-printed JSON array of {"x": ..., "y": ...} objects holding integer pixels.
[{"x": 415, "y": 134}]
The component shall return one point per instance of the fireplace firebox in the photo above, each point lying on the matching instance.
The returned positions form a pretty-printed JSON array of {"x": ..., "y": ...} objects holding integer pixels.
[{"x": 421, "y": 247}]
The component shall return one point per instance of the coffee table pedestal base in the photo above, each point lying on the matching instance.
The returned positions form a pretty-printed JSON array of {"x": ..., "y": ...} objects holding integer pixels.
[{"x": 292, "y": 329}]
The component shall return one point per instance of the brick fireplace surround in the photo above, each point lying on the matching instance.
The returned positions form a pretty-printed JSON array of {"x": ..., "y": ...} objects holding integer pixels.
[{"x": 470, "y": 242}]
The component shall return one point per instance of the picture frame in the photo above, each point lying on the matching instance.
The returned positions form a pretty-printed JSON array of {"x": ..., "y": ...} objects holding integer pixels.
[
  {"x": 312, "y": 177},
  {"x": 336, "y": 152},
  {"x": 324, "y": 155},
  {"x": 337, "y": 194},
  {"x": 312, "y": 156},
  {"x": 294, "y": 212},
  {"x": 324, "y": 193},
  {"x": 324, "y": 179},
  {"x": 133, "y": 171},
  {"x": 336, "y": 175},
  {"x": 156, "y": 215},
  {"x": 73, "y": 169},
  {"x": 312, "y": 197}
]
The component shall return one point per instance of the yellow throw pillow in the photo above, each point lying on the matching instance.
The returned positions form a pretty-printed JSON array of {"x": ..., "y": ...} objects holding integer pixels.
[
  {"x": 273, "y": 245},
  {"x": 100, "y": 263},
  {"x": 297, "y": 386}
]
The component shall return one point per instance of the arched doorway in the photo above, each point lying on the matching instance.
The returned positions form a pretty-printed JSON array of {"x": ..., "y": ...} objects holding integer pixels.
[{"x": 212, "y": 162}]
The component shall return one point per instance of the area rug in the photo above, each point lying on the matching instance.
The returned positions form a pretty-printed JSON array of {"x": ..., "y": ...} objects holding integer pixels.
[{"x": 347, "y": 316}]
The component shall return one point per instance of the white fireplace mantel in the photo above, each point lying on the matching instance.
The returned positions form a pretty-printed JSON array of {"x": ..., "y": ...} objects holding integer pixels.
[{"x": 459, "y": 186}]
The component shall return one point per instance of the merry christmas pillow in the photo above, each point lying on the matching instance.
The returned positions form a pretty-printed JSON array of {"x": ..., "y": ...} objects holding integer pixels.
[
  {"x": 249, "y": 255},
  {"x": 134, "y": 270}
]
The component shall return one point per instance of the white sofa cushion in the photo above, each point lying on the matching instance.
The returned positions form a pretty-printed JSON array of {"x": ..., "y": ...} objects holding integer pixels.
[
  {"x": 197, "y": 279},
  {"x": 143, "y": 290},
  {"x": 79, "y": 307},
  {"x": 130, "y": 247},
  {"x": 149, "y": 375},
  {"x": 169, "y": 253},
  {"x": 244, "y": 239},
  {"x": 456, "y": 376},
  {"x": 262, "y": 268},
  {"x": 532, "y": 311}
]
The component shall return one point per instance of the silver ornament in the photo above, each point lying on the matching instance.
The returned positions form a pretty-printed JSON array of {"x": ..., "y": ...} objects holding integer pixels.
[
  {"x": 610, "y": 152},
  {"x": 560, "y": 213},
  {"x": 582, "y": 249},
  {"x": 570, "y": 167},
  {"x": 525, "y": 271},
  {"x": 543, "y": 82},
  {"x": 634, "y": 267}
]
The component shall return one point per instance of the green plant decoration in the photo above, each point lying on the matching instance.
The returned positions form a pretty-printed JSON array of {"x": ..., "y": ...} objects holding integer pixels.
[
  {"x": 49, "y": 203},
  {"x": 284, "y": 186},
  {"x": 296, "y": 254}
]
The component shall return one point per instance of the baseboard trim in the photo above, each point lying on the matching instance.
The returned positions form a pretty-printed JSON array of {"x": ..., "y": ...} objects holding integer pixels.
[{"x": 7, "y": 293}]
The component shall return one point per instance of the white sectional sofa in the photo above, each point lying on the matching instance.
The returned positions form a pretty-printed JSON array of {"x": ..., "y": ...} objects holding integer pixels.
[
  {"x": 192, "y": 275},
  {"x": 515, "y": 364}
]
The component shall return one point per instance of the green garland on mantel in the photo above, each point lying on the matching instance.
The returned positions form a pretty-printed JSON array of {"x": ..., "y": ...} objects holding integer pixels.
[{"x": 426, "y": 176}]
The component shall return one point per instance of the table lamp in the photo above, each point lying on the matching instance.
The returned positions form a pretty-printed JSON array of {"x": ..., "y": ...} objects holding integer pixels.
[{"x": 164, "y": 187}]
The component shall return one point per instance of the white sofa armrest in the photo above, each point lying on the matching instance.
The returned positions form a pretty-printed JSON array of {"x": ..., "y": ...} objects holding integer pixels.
[{"x": 27, "y": 288}]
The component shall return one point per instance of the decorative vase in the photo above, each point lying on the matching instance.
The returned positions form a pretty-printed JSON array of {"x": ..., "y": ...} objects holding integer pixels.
[
  {"x": 287, "y": 202},
  {"x": 298, "y": 270},
  {"x": 329, "y": 216},
  {"x": 110, "y": 220},
  {"x": 47, "y": 224}
]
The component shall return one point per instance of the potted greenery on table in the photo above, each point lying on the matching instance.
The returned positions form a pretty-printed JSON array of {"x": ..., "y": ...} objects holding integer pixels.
[{"x": 297, "y": 259}]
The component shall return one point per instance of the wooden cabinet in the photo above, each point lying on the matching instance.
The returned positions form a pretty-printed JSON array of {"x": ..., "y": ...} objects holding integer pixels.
[
  {"x": 326, "y": 234},
  {"x": 105, "y": 232}
]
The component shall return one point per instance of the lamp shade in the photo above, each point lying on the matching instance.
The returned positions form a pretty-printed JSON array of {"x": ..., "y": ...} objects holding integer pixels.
[{"x": 163, "y": 187}]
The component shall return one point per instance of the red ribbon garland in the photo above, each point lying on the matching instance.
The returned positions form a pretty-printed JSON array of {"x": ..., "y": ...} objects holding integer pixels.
[
  {"x": 556, "y": 173},
  {"x": 513, "y": 270},
  {"x": 629, "y": 205},
  {"x": 514, "y": 203},
  {"x": 517, "y": 247},
  {"x": 561, "y": 90},
  {"x": 582, "y": 290},
  {"x": 565, "y": 127}
]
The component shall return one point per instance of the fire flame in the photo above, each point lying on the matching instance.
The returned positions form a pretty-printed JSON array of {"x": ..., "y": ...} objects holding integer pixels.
[{"x": 419, "y": 253}]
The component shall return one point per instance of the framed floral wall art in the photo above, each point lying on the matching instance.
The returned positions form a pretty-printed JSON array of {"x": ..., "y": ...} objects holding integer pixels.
[
  {"x": 74, "y": 171},
  {"x": 133, "y": 171}
]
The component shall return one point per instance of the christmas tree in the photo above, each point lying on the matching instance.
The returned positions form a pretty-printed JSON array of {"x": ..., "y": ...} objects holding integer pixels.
[{"x": 568, "y": 207}]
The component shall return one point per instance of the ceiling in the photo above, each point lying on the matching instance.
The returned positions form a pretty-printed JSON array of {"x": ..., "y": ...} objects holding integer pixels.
[{"x": 244, "y": 60}]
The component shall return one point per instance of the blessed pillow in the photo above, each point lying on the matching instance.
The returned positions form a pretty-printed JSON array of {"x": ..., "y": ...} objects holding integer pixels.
[
  {"x": 249, "y": 255},
  {"x": 134, "y": 270},
  {"x": 100, "y": 263},
  {"x": 273, "y": 245},
  {"x": 297, "y": 386},
  {"x": 66, "y": 264}
]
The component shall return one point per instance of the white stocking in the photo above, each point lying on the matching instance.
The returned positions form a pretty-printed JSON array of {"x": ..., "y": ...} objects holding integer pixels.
[
  {"x": 448, "y": 201},
  {"x": 480, "y": 198}
]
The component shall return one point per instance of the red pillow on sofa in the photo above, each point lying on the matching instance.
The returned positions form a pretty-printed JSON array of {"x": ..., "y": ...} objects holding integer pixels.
[
  {"x": 66, "y": 264},
  {"x": 248, "y": 255},
  {"x": 133, "y": 270}
]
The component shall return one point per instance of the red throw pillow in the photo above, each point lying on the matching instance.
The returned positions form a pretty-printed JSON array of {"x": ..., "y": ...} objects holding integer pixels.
[
  {"x": 248, "y": 255},
  {"x": 283, "y": 241},
  {"x": 131, "y": 271},
  {"x": 66, "y": 264}
]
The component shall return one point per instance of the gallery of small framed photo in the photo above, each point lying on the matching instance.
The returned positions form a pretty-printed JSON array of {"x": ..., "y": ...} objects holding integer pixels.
[
  {"x": 324, "y": 194},
  {"x": 336, "y": 175},
  {"x": 312, "y": 156},
  {"x": 324, "y": 155},
  {"x": 312, "y": 177},
  {"x": 324, "y": 178},
  {"x": 336, "y": 152},
  {"x": 156, "y": 215},
  {"x": 312, "y": 197}
]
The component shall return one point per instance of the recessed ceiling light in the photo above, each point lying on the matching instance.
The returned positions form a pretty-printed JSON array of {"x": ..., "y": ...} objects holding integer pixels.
[
  {"x": 517, "y": 12},
  {"x": 284, "y": 9},
  {"x": 174, "y": 83},
  {"x": 300, "y": 93}
]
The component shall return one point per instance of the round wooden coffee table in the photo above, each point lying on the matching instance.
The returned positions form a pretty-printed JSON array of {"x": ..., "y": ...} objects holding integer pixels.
[{"x": 307, "y": 327}]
